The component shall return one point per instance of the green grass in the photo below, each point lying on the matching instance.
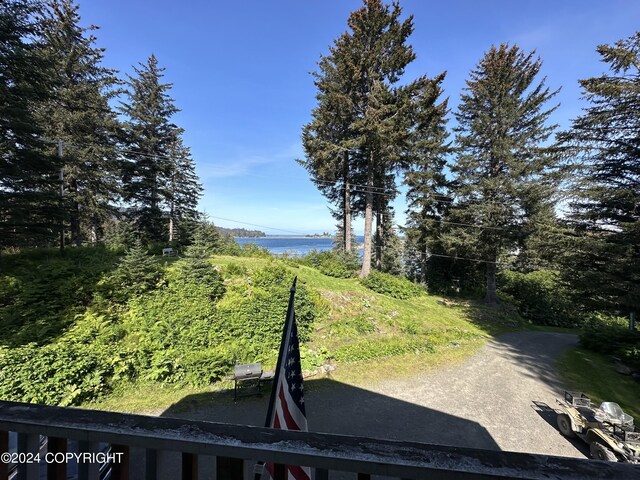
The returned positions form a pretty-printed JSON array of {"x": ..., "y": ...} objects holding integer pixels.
[
  {"x": 594, "y": 374},
  {"x": 150, "y": 399}
]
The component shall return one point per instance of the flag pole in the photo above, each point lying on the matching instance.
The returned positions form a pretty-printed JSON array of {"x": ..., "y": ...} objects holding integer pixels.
[{"x": 286, "y": 331}]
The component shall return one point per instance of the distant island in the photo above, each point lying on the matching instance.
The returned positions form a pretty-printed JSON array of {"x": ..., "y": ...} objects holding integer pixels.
[
  {"x": 241, "y": 232},
  {"x": 320, "y": 235}
]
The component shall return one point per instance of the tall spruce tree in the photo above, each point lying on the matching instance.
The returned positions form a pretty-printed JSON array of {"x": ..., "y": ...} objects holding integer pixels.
[
  {"x": 184, "y": 190},
  {"x": 158, "y": 173},
  {"x": 357, "y": 125},
  {"x": 328, "y": 141},
  {"x": 501, "y": 134},
  {"x": 79, "y": 115},
  {"x": 29, "y": 208},
  {"x": 603, "y": 261},
  {"x": 427, "y": 186}
]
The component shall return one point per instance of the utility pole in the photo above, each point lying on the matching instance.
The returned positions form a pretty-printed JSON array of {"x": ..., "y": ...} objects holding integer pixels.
[{"x": 61, "y": 196}]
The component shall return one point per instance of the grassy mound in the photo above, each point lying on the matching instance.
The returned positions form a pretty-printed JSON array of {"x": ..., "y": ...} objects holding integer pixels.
[{"x": 111, "y": 337}]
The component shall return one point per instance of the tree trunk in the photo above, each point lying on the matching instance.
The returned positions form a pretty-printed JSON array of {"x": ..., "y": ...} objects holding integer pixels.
[
  {"x": 378, "y": 240},
  {"x": 368, "y": 217},
  {"x": 491, "y": 297},
  {"x": 172, "y": 210},
  {"x": 94, "y": 231},
  {"x": 74, "y": 220},
  {"x": 346, "y": 217}
]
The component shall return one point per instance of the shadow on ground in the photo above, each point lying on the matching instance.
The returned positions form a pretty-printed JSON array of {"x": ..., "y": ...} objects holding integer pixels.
[
  {"x": 550, "y": 415},
  {"x": 335, "y": 407},
  {"x": 536, "y": 354}
]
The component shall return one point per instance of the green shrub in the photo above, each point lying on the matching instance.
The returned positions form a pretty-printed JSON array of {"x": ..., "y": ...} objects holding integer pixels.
[
  {"x": 540, "y": 297},
  {"x": 195, "y": 367},
  {"x": 42, "y": 291},
  {"x": 62, "y": 374},
  {"x": 396, "y": 287},
  {"x": 258, "y": 318},
  {"x": 197, "y": 272},
  {"x": 10, "y": 288},
  {"x": 333, "y": 264},
  {"x": 136, "y": 274},
  {"x": 611, "y": 335},
  {"x": 610, "y": 339},
  {"x": 178, "y": 328},
  {"x": 253, "y": 250},
  {"x": 228, "y": 246},
  {"x": 236, "y": 270}
]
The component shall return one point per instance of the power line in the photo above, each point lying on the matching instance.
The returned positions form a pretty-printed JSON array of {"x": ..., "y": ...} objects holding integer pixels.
[
  {"x": 459, "y": 258},
  {"x": 256, "y": 225},
  {"x": 460, "y": 224}
]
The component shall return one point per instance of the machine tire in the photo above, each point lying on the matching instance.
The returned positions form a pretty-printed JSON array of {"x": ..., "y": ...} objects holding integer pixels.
[
  {"x": 600, "y": 452},
  {"x": 564, "y": 425}
]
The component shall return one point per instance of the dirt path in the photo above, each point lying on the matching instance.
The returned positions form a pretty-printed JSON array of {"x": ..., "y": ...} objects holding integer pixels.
[{"x": 498, "y": 399}]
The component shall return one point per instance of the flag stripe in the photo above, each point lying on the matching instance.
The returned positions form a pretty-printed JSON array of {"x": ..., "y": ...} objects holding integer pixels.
[
  {"x": 298, "y": 416},
  {"x": 290, "y": 422},
  {"x": 298, "y": 473}
]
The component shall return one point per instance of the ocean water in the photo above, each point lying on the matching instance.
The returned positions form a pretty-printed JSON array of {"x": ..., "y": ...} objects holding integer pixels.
[{"x": 292, "y": 245}]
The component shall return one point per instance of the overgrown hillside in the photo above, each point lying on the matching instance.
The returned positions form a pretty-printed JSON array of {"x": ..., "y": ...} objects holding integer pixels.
[{"x": 80, "y": 327}]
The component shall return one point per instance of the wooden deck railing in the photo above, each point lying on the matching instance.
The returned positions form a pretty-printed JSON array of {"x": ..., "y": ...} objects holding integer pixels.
[{"x": 168, "y": 448}]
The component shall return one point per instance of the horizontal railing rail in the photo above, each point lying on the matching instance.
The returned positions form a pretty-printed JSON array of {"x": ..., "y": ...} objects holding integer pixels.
[{"x": 169, "y": 448}]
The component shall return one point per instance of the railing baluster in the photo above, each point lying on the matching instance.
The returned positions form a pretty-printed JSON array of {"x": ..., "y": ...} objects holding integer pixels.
[
  {"x": 207, "y": 467},
  {"x": 322, "y": 474},
  {"x": 120, "y": 469},
  {"x": 189, "y": 466},
  {"x": 56, "y": 470},
  {"x": 4, "y": 448},
  {"x": 28, "y": 443},
  {"x": 229, "y": 468},
  {"x": 138, "y": 463},
  {"x": 168, "y": 465},
  {"x": 88, "y": 471},
  {"x": 279, "y": 472},
  {"x": 151, "y": 464}
]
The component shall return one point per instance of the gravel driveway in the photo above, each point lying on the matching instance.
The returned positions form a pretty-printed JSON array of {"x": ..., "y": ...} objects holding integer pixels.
[{"x": 501, "y": 399}]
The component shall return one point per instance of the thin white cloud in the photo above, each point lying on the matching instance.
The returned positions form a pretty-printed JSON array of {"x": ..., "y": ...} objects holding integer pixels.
[{"x": 244, "y": 162}]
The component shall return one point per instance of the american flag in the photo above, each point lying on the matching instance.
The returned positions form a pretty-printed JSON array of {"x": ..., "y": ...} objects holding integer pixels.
[{"x": 288, "y": 411}]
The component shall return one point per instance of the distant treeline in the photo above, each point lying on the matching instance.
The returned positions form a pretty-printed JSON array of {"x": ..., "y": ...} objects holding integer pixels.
[{"x": 240, "y": 232}]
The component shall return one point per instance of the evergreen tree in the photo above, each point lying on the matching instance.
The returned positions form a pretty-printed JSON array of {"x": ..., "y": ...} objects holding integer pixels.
[
  {"x": 328, "y": 141},
  {"x": 355, "y": 133},
  {"x": 137, "y": 273},
  {"x": 28, "y": 194},
  {"x": 159, "y": 176},
  {"x": 389, "y": 246},
  {"x": 427, "y": 193},
  {"x": 184, "y": 190},
  {"x": 206, "y": 240},
  {"x": 78, "y": 113},
  {"x": 501, "y": 133},
  {"x": 603, "y": 261}
]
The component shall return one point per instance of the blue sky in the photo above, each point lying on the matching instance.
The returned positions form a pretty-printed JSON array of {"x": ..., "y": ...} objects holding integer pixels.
[{"x": 240, "y": 72}]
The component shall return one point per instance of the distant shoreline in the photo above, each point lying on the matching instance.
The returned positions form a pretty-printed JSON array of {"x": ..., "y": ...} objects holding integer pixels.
[{"x": 285, "y": 236}]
